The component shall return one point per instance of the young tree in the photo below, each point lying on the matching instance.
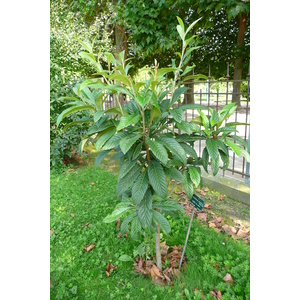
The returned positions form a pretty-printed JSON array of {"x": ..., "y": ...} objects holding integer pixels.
[{"x": 150, "y": 151}]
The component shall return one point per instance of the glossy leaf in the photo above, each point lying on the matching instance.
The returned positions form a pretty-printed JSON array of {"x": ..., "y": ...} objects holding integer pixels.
[
  {"x": 125, "y": 121},
  {"x": 164, "y": 224},
  {"x": 127, "y": 142}
]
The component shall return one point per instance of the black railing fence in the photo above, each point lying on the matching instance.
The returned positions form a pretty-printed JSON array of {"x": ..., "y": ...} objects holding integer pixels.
[{"x": 216, "y": 94}]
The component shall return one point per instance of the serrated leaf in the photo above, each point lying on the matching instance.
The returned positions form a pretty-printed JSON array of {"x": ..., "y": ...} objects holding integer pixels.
[
  {"x": 215, "y": 165},
  {"x": 135, "y": 227},
  {"x": 125, "y": 121},
  {"x": 127, "y": 141},
  {"x": 158, "y": 150},
  {"x": 140, "y": 187},
  {"x": 174, "y": 147},
  {"x": 188, "y": 184},
  {"x": 128, "y": 180},
  {"x": 177, "y": 114},
  {"x": 168, "y": 206},
  {"x": 157, "y": 178},
  {"x": 144, "y": 210},
  {"x": 174, "y": 174},
  {"x": 124, "y": 224},
  {"x": 125, "y": 168},
  {"x": 212, "y": 148},
  {"x": 114, "y": 140},
  {"x": 137, "y": 151},
  {"x": 195, "y": 175},
  {"x": 164, "y": 224},
  {"x": 190, "y": 151},
  {"x": 104, "y": 137},
  {"x": 222, "y": 147}
]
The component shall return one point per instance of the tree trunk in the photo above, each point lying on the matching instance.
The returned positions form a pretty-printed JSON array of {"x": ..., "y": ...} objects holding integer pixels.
[
  {"x": 157, "y": 248},
  {"x": 189, "y": 95},
  {"x": 238, "y": 67}
]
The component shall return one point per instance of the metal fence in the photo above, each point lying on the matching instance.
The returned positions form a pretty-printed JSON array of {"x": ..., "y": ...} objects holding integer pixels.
[{"x": 216, "y": 94}]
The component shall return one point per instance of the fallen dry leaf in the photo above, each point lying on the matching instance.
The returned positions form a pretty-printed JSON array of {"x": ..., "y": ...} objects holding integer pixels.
[
  {"x": 51, "y": 283},
  {"x": 202, "y": 216},
  {"x": 92, "y": 183},
  {"x": 241, "y": 233},
  {"x": 72, "y": 214},
  {"x": 228, "y": 279},
  {"x": 118, "y": 223},
  {"x": 51, "y": 231},
  {"x": 164, "y": 248},
  {"x": 220, "y": 198},
  {"x": 108, "y": 269},
  {"x": 207, "y": 205},
  {"x": 229, "y": 230},
  {"x": 89, "y": 248},
  {"x": 216, "y": 294},
  {"x": 211, "y": 225}
]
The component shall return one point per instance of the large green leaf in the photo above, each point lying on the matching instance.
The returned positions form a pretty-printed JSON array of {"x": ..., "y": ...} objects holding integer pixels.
[
  {"x": 157, "y": 178},
  {"x": 127, "y": 141},
  {"x": 225, "y": 159},
  {"x": 188, "y": 185},
  {"x": 123, "y": 78},
  {"x": 125, "y": 168},
  {"x": 100, "y": 156},
  {"x": 128, "y": 180},
  {"x": 174, "y": 147},
  {"x": 205, "y": 159},
  {"x": 188, "y": 127},
  {"x": 137, "y": 151},
  {"x": 195, "y": 175},
  {"x": 215, "y": 165},
  {"x": 177, "y": 93},
  {"x": 193, "y": 106},
  {"x": 124, "y": 224},
  {"x": 174, "y": 174},
  {"x": 117, "y": 213},
  {"x": 158, "y": 150},
  {"x": 168, "y": 206},
  {"x": 177, "y": 114},
  {"x": 245, "y": 154},
  {"x": 72, "y": 110},
  {"x": 104, "y": 137},
  {"x": 189, "y": 150},
  {"x": 164, "y": 224},
  {"x": 235, "y": 148},
  {"x": 239, "y": 140},
  {"x": 140, "y": 187},
  {"x": 114, "y": 140},
  {"x": 212, "y": 148},
  {"x": 144, "y": 210},
  {"x": 135, "y": 227},
  {"x": 125, "y": 121},
  {"x": 98, "y": 114}
]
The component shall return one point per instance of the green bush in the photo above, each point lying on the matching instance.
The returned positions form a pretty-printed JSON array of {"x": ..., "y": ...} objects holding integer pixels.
[{"x": 67, "y": 67}]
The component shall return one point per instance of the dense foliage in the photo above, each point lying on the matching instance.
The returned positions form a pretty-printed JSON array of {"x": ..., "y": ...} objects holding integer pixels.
[
  {"x": 66, "y": 68},
  {"x": 150, "y": 151}
]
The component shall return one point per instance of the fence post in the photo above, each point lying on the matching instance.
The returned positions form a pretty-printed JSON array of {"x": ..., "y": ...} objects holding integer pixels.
[{"x": 247, "y": 179}]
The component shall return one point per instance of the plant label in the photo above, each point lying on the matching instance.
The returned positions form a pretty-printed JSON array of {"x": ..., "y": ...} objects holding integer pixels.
[{"x": 197, "y": 202}]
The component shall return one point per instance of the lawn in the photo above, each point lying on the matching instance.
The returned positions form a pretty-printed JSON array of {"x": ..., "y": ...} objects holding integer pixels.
[{"x": 81, "y": 198}]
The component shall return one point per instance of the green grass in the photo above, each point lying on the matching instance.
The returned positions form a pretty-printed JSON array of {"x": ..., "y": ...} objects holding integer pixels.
[{"x": 88, "y": 195}]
